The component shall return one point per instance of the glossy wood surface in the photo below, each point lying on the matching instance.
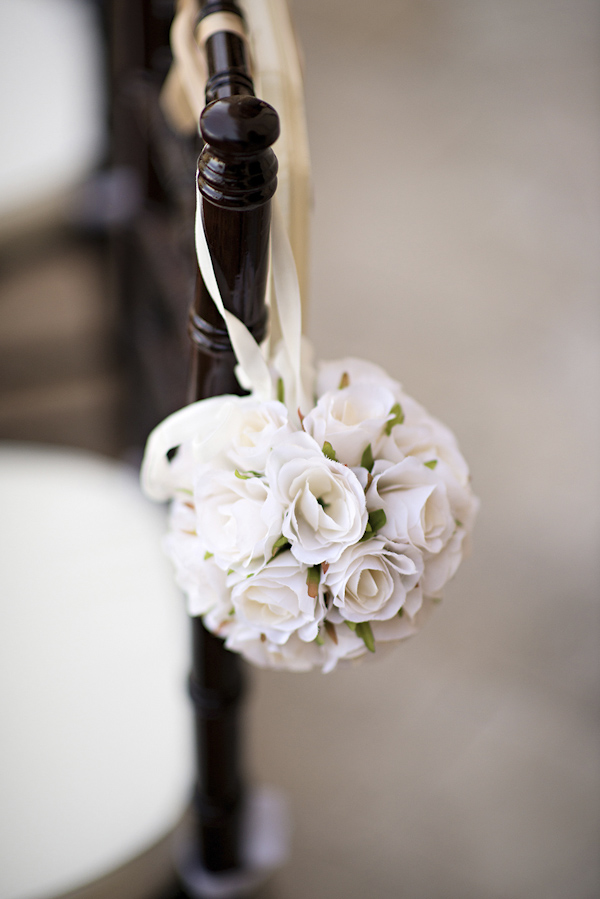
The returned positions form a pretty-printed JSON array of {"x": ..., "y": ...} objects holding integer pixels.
[{"x": 236, "y": 178}]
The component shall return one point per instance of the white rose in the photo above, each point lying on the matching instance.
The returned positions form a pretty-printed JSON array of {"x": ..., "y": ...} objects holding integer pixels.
[
  {"x": 350, "y": 419},
  {"x": 406, "y": 625},
  {"x": 282, "y": 369},
  {"x": 441, "y": 567},
  {"x": 242, "y": 426},
  {"x": 275, "y": 601},
  {"x": 293, "y": 655},
  {"x": 337, "y": 644},
  {"x": 182, "y": 467},
  {"x": 161, "y": 474},
  {"x": 415, "y": 503},
  {"x": 231, "y": 519},
  {"x": 357, "y": 371},
  {"x": 253, "y": 433},
  {"x": 325, "y": 509},
  {"x": 340, "y": 644},
  {"x": 370, "y": 580},
  {"x": 203, "y": 583},
  {"x": 422, "y": 436}
]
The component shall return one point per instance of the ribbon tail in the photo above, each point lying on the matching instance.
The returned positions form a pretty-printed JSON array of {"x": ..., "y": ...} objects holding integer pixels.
[
  {"x": 289, "y": 310},
  {"x": 247, "y": 351}
]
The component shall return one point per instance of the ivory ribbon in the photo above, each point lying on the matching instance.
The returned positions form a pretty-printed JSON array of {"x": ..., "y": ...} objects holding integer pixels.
[
  {"x": 285, "y": 294},
  {"x": 182, "y": 97},
  {"x": 273, "y": 60},
  {"x": 206, "y": 421},
  {"x": 247, "y": 351},
  {"x": 219, "y": 21}
]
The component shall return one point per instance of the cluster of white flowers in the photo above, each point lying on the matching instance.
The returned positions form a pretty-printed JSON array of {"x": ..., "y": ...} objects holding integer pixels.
[{"x": 309, "y": 541}]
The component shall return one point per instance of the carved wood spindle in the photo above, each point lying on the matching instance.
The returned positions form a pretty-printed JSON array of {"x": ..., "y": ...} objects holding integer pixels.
[{"x": 236, "y": 178}]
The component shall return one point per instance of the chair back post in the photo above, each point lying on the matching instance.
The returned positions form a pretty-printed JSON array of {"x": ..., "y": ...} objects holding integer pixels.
[{"x": 236, "y": 179}]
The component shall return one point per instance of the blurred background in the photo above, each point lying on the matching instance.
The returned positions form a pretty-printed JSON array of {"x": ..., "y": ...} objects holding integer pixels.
[{"x": 455, "y": 149}]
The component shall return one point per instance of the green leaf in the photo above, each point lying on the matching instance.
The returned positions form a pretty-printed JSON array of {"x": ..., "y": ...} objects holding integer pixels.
[
  {"x": 280, "y": 390},
  {"x": 280, "y": 544},
  {"x": 431, "y": 464},
  {"x": 377, "y": 519},
  {"x": 398, "y": 418},
  {"x": 367, "y": 460},
  {"x": 208, "y": 555},
  {"x": 344, "y": 381},
  {"x": 242, "y": 477},
  {"x": 351, "y": 625},
  {"x": 329, "y": 451},
  {"x": 363, "y": 630}
]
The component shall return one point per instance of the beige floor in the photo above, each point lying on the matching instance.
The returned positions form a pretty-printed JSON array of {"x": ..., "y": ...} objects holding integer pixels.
[
  {"x": 455, "y": 151},
  {"x": 455, "y": 147}
]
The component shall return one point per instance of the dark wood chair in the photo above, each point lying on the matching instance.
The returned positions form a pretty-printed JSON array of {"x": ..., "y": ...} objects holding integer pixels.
[{"x": 155, "y": 261}]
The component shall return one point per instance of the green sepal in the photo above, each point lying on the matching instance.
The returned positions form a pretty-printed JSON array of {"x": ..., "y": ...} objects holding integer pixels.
[
  {"x": 208, "y": 555},
  {"x": 329, "y": 451},
  {"x": 431, "y": 464},
  {"x": 280, "y": 544},
  {"x": 377, "y": 519},
  {"x": 184, "y": 490},
  {"x": 351, "y": 625},
  {"x": 367, "y": 461},
  {"x": 400, "y": 612},
  {"x": 313, "y": 577},
  {"x": 458, "y": 523},
  {"x": 280, "y": 390},
  {"x": 368, "y": 533},
  {"x": 363, "y": 630},
  {"x": 331, "y": 631},
  {"x": 398, "y": 418},
  {"x": 344, "y": 381},
  {"x": 319, "y": 640},
  {"x": 250, "y": 474},
  {"x": 230, "y": 571}
]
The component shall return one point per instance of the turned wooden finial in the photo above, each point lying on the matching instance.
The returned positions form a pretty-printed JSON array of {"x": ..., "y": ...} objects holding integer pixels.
[
  {"x": 237, "y": 177},
  {"x": 237, "y": 169}
]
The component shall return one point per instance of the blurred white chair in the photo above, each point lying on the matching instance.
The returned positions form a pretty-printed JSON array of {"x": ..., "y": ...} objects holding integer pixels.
[
  {"x": 51, "y": 105},
  {"x": 95, "y": 753},
  {"x": 96, "y": 748}
]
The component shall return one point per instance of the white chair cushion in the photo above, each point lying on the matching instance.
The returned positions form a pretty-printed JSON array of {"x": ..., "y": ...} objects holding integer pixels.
[{"x": 96, "y": 745}]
